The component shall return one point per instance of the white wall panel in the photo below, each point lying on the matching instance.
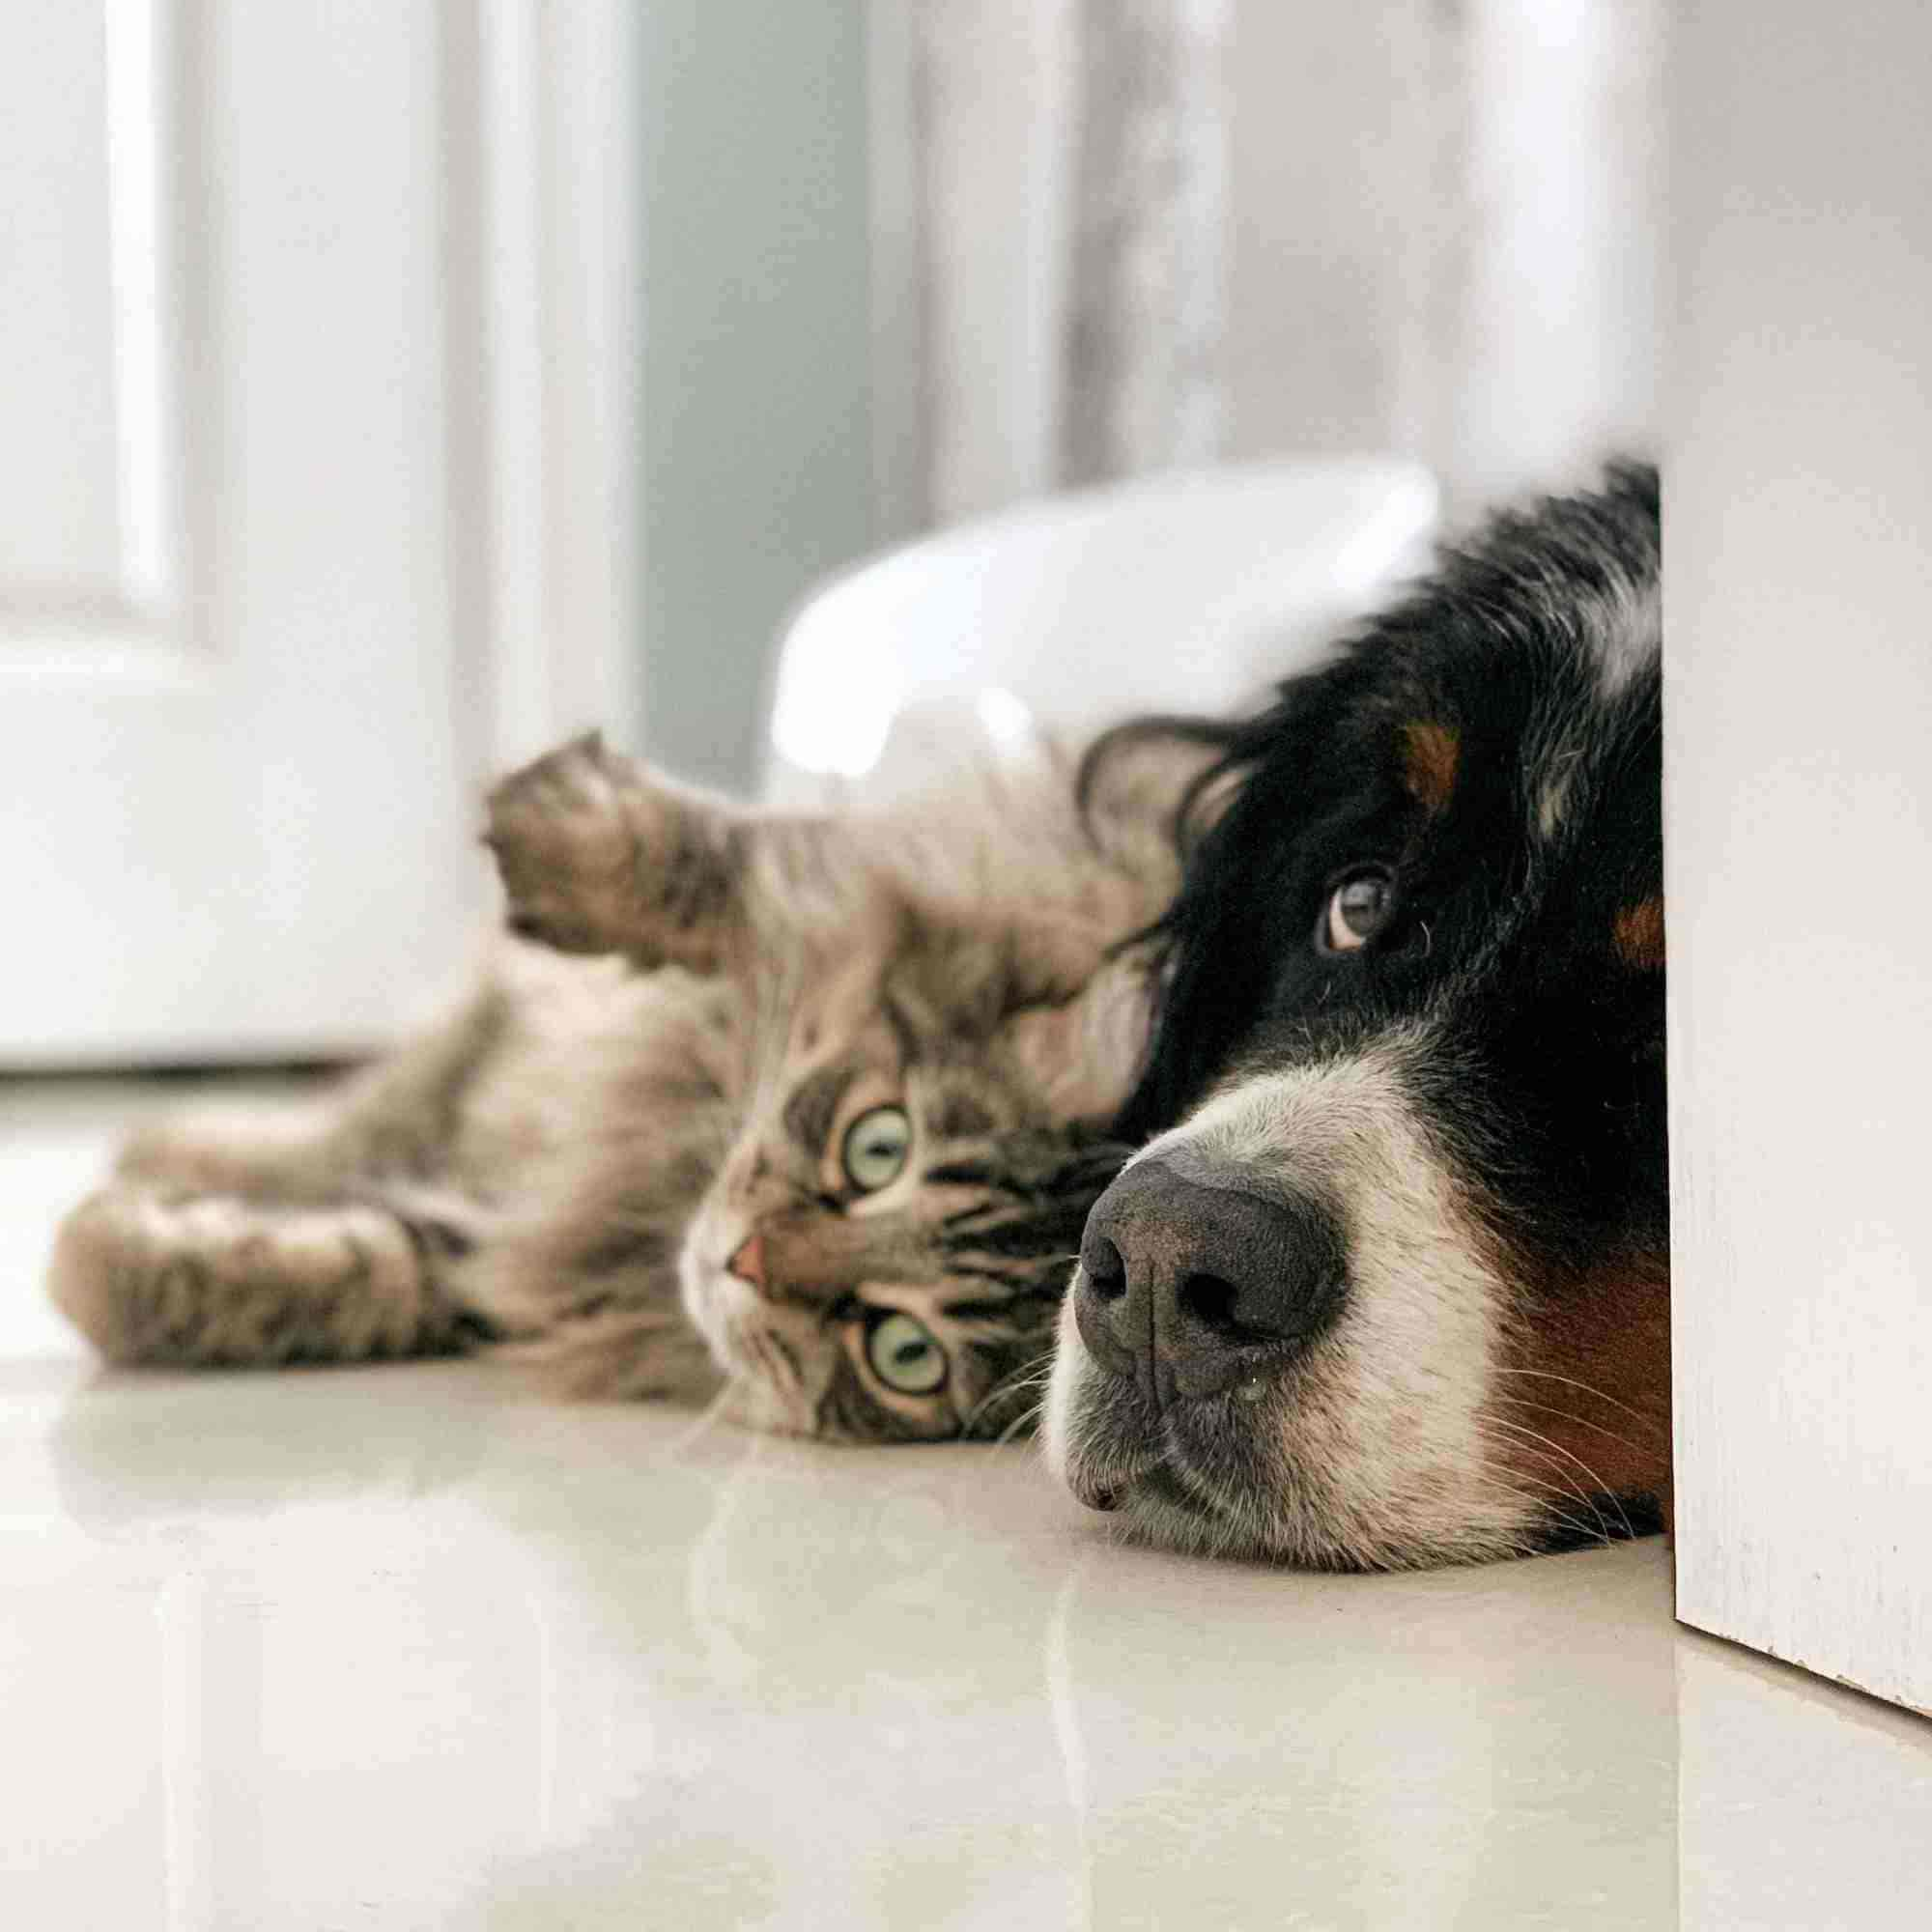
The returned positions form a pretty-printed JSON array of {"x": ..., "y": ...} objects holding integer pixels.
[{"x": 1799, "y": 825}]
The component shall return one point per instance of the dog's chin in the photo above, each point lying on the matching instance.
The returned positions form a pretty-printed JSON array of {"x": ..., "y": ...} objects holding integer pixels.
[
  {"x": 1247, "y": 1474},
  {"x": 1210, "y": 1480},
  {"x": 1172, "y": 1505}
]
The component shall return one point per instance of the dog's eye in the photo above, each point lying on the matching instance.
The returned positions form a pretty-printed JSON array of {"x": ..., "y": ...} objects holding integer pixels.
[
  {"x": 1357, "y": 909},
  {"x": 875, "y": 1148}
]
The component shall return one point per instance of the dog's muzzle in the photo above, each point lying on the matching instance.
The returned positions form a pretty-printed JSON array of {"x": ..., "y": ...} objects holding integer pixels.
[{"x": 1194, "y": 1283}]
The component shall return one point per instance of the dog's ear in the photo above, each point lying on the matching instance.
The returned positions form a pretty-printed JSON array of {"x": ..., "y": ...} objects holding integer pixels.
[
  {"x": 599, "y": 855},
  {"x": 1082, "y": 1054}
]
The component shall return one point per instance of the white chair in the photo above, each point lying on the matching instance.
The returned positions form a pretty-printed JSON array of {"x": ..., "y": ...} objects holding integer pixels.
[{"x": 1188, "y": 592}]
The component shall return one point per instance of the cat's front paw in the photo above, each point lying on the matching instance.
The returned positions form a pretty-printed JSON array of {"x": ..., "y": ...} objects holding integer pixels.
[
  {"x": 599, "y": 855},
  {"x": 148, "y": 1275},
  {"x": 565, "y": 847}
]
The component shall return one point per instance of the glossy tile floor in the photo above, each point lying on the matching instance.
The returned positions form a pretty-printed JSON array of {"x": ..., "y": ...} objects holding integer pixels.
[{"x": 404, "y": 1648}]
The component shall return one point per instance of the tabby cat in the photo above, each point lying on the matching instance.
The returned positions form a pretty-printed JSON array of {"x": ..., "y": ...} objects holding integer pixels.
[{"x": 817, "y": 1133}]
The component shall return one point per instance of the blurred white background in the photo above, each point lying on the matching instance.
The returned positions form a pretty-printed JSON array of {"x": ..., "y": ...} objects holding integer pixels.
[{"x": 388, "y": 390}]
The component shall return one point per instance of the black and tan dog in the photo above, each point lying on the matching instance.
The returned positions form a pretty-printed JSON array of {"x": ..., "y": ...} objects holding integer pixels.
[{"x": 1389, "y": 1286}]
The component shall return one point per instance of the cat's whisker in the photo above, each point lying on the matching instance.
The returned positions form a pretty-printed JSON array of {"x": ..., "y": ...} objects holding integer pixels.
[
  {"x": 703, "y": 1423},
  {"x": 1029, "y": 1375},
  {"x": 1025, "y": 1419}
]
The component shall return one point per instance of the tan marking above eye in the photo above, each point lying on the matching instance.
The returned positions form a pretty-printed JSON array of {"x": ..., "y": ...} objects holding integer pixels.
[
  {"x": 1638, "y": 934},
  {"x": 1429, "y": 754}
]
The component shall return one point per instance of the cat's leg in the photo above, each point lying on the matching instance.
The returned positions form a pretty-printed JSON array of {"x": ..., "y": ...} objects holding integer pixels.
[
  {"x": 327, "y": 1229},
  {"x": 227, "y": 1280}
]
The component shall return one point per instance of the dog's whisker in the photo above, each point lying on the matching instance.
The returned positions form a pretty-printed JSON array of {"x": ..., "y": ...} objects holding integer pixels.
[
  {"x": 1543, "y": 1498},
  {"x": 1551, "y": 1408},
  {"x": 1601, "y": 1489},
  {"x": 1548, "y": 1490},
  {"x": 1537, "y": 1502},
  {"x": 1549, "y": 1375}
]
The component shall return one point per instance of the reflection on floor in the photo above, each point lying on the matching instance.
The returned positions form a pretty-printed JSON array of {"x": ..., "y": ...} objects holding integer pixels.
[{"x": 408, "y": 1648}]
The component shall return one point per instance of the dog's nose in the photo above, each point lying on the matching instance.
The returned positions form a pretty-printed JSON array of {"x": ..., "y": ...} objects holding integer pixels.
[{"x": 1190, "y": 1284}]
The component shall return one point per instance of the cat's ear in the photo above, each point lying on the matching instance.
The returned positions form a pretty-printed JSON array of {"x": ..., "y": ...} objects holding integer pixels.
[
  {"x": 1154, "y": 782},
  {"x": 601, "y": 855},
  {"x": 1083, "y": 1054}
]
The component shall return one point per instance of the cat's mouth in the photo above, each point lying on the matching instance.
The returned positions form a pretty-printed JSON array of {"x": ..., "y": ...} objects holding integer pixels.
[
  {"x": 710, "y": 1294},
  {"x": 752, "y": 1349}
]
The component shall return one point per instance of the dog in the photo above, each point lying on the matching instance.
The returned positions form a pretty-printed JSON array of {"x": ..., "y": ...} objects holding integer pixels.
[{"x": 1389, "y": 1284}]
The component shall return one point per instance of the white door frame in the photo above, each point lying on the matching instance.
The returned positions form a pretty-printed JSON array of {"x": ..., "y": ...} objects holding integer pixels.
[{"x": 1798, "y": 814}]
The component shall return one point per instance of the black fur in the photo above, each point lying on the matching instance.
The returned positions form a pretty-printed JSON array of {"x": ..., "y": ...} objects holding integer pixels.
[
  {"x": 1557, "y": 1090},
  {"x": 1522, "y": 961}
]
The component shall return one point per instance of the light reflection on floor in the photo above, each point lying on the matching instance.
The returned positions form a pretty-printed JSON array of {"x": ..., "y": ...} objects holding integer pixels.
[{"x": 408, "y": 1648}]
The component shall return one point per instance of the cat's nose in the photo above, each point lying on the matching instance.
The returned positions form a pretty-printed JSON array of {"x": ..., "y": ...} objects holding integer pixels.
[
  {"x": 1190, "y": 1283},
  {"x": 748, "y": 1263}
]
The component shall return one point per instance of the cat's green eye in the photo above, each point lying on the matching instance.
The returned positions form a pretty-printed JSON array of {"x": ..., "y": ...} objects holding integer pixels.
[
  {"x": 904, "y": 1355},
  {"x": 875, "y": 1148}
]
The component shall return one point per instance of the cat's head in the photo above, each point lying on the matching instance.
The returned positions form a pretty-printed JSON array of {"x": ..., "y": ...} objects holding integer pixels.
[{"x": 934, "y": 1028}]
